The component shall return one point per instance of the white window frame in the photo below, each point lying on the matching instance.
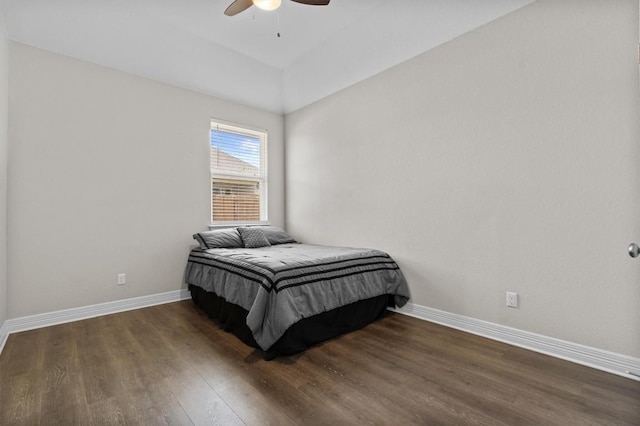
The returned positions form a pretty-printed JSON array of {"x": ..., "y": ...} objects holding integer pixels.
[{"x": 263, "y": 136}]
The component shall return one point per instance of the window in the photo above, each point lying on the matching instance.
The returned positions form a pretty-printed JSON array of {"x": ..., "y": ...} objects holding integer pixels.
[{"x": 238, "y": 174}]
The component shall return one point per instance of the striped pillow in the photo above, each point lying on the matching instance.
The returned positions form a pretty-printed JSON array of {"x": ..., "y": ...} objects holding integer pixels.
[{"x": 220, "y": 238}]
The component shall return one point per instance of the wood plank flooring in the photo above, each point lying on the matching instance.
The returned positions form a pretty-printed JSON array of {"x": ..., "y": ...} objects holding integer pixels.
[{"x": 170, "y": 364}]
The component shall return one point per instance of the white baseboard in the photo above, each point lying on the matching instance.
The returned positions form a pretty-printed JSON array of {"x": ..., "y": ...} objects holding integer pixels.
[
  {"x": 4, "y": 335},
  {"x": 31, "y": 322},
  {"x": 610, "y": 362}
]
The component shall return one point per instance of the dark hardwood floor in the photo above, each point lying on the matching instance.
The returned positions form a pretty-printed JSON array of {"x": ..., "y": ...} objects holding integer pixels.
[{"x": 170, "y": 364}]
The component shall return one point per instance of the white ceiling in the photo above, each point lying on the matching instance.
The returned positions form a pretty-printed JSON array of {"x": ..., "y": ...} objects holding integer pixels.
[{"x": 192, "y": 44}]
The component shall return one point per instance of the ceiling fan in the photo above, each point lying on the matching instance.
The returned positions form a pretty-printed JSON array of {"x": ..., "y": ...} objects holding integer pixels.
[{"x": 241, "y": 5}]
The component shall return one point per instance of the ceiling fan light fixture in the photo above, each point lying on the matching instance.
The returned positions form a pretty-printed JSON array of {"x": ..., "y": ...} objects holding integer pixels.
[{"x": 267, "y": 4}]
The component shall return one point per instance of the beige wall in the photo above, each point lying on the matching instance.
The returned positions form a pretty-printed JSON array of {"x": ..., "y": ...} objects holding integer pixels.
[
  {"x": 4, "y": 96},
  {"x": 504, "y": 160},
  {"x": 108, "y": 174}
]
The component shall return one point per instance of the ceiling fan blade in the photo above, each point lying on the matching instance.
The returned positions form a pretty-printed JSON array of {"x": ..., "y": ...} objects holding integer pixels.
[
  {"x": 313, "y": 2},
  {"x": 238, "y": 6}
]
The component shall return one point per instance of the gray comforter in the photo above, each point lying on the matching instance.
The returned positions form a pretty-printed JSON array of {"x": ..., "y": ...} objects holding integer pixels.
[{"x": 281, "y": 284}]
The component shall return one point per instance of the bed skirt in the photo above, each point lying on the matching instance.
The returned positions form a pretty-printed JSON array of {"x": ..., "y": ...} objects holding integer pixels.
[{"x": 301, "y": 335}]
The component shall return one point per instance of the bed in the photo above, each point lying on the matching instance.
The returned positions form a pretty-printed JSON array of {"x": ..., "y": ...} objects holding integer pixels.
[{"x": 281, "y": 296}]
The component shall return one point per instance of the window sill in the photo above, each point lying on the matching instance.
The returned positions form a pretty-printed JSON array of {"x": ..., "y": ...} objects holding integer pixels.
[{"x": 222, "y": 225}]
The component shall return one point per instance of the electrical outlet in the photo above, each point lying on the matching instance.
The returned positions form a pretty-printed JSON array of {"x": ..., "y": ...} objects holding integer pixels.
[
  {"x": 512, "y": 299},
  {"x": 122, "y": 279}
]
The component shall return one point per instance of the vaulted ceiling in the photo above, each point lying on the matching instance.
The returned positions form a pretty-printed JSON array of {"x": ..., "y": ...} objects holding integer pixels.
[{"x": 192, "y": 44}]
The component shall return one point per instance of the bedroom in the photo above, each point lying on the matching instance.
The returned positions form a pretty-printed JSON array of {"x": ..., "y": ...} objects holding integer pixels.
[{"x": 528, "y": 182}]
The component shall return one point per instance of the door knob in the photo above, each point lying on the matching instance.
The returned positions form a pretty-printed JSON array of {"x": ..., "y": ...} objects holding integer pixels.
[{"x": 634, "y": 250}]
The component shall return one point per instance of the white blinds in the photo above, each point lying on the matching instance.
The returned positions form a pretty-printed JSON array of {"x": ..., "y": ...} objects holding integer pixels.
[{"x": 238, "y": 174}]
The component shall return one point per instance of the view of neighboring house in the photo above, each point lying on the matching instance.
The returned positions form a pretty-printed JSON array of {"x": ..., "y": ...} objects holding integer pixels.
[{"x": 236, "y": 197}]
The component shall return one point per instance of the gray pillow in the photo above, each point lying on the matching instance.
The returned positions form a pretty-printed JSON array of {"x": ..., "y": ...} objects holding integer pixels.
[
  {"x": 253, "y": 237},
  {"x": 276, "y": 235},
  {"x": 220, "y": 238}
]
